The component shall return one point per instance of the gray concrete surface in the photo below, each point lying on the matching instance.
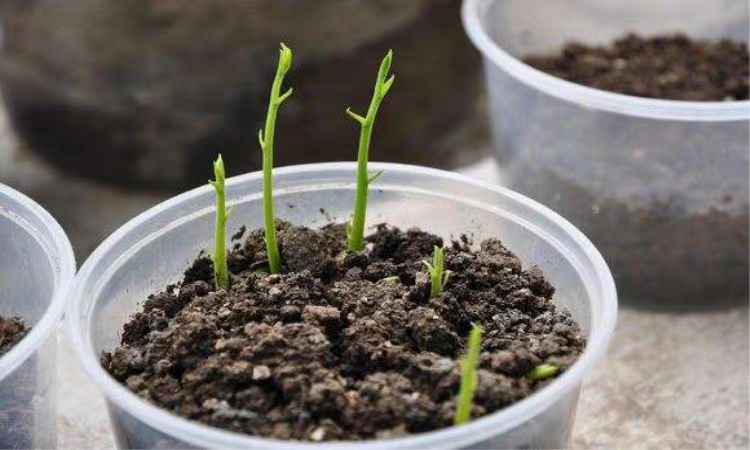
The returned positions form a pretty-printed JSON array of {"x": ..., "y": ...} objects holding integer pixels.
[{"x": 669, "y": 381}]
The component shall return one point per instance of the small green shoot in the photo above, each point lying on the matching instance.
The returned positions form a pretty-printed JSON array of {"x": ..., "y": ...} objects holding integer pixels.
[
  {"x": 394, "y": 279},
  {"x": 265, "y": 139},
  {"x": 356, "y": 229},
  {"x": 469, "y": 363},
  {"x": 220, "y": 250},
  {"x": 438, "y": 276},
  {"x": 542, "y": 371}
]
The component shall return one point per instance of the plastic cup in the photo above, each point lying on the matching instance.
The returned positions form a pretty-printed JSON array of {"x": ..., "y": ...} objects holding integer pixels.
[
  {"x": 36, "y": 271},
  {"x": 660, "y": 186},
  {"x": 154, "y": 249}
]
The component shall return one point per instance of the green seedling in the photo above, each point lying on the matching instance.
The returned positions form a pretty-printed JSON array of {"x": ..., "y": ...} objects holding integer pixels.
[
  {"x": 265, "y": 139},
  {"x": 394, "y": 279},
  {"x": 220, "y": 250},
  {"x": 438, "y": 276},
  {"x": 469, "y": 363},
  {"x": 542, "y": 371},
  {"x": 356, "y": 228}
]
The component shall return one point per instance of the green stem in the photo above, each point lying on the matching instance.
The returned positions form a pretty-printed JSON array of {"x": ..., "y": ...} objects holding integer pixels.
[
  {"x": 221, "y": 273},
  {"x": 356, "y": 236},
  {"x": 265, "y": 138},
  {"x": 437, "y": 276},
  {"x": 469, "y": 362}
]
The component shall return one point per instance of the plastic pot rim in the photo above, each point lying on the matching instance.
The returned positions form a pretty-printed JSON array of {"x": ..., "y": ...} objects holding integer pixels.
[
  {"x": 64, "y": 266},
  {"x": 201, "y": 435},
  {"x": 472, "y": 12}
]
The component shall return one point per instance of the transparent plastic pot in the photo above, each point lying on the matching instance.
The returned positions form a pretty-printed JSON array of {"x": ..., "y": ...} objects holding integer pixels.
[
  {"x": 36, "y": 271},
  {"x": 154, "y": 249},
  {"x": 660, "y": 186}
]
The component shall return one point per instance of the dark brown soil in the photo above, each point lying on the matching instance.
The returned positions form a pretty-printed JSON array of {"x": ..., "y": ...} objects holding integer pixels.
[
  {"x": 669, "y": 67},
  {"x": 336, "y": 348},
  {"x": 12, "y": 330}
]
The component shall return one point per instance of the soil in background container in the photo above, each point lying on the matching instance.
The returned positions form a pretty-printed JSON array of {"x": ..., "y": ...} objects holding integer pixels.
[
  {"x": 342, "y": 345},
  {"x": 672, "y": 67},
  {"x": 147, "y": 92},
  {"x": 673, "y": 225},
  {"x": 16, "y": 390},
  {"x": 12, "y": 330}
]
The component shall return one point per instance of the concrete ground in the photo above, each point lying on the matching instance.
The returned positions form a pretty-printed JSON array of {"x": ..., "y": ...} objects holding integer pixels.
[{"x": 670, "y": 380}]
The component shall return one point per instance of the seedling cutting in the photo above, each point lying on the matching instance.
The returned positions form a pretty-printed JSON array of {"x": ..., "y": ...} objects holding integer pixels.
[
  {"x": 221, "y": 273},
  {"x": 383, "y": 83},
  {"x": 265, "y": 139}
]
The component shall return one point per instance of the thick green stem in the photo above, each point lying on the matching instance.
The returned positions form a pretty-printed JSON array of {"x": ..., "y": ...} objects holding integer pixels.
[
  {"x": 265, "y": 138},
  {"x": 356, "y": 235},
  {"x": 469, "y": 363},
  {"x": 221, "y": 273}
]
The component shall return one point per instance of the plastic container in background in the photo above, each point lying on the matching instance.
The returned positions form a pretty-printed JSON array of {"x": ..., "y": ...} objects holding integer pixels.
[
  {"x": 154, "y": 249},
  {"x": 36, "y": 270},
  {"x": 660, "y": 186}
]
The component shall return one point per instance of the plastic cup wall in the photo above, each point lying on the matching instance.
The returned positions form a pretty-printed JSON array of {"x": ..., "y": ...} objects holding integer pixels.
[
  {"x": 155, "y": 248},
  {"x": 36, "y": 269},
  {"x": 579, "y": 150}
]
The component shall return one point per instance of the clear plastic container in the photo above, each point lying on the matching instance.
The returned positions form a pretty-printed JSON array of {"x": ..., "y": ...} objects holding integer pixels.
[
  {"x": 660, "y": 186},
  {"x": 36, "y": 271},
  {"x": 154, "y": 249}
]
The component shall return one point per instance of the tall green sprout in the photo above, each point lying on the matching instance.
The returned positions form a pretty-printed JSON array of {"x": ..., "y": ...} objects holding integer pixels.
[
  {"x": 356, "y": 229},
  {"x": 265, "y": 138},
  {"x": 469, "y": 378},
  {"x": 438, "y": 276},
  {"x": 221, "y": 273}
]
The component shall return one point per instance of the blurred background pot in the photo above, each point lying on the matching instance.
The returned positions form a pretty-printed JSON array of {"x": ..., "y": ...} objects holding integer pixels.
[
  {"x": 147, "y": 92},
  {"x": 660, "y": 186}
]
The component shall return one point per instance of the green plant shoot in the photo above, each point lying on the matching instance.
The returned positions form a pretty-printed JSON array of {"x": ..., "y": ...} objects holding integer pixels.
[
  {"x": 468, "y": 362},
  {"x": 220, "y": 250},
  {"x": 356, "y": 228},
  {"x": 438, "y": 276},
  {"x": 265, "y": 138},
  {"x": 542, "y": 371}
]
